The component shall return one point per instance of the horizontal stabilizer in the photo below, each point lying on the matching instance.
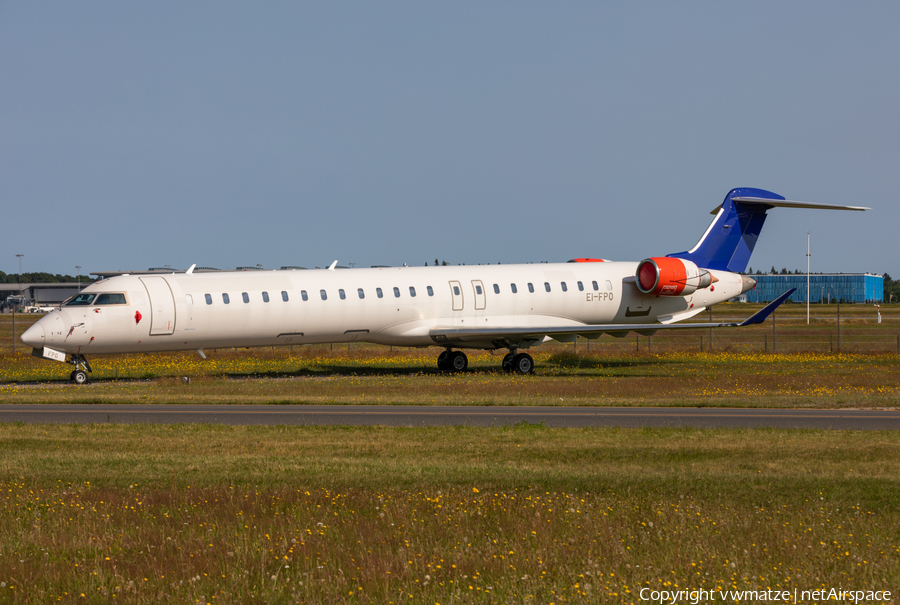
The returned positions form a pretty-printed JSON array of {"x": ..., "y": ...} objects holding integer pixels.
[{"x": 791, "y": 204}]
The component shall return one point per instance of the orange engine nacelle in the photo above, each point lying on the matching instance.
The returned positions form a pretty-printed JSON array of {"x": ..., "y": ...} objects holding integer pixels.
[{"x": 664, "y": 276}]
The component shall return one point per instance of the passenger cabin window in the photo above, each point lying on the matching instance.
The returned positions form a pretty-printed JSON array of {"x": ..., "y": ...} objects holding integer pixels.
[
  {"x": 81, "y": 299},
  {"x": 208, "y": 298},
  {"x": 189, "y": 299},
  {"x": 342, "y": 294},
  {"x": 580, "y": 287},
  {"x": 265, "y": 297},
  {"x": 412, "y": 291},
  {"x": 531, "y": 287},
  {"x": 361, "y": 294},
  {"x": 379, "y": 292},
  {"x": 564, "y": 287},
  {"x": 110, "y": 299},
  {"x": 225, "y": 298},
  {"x": 496, "y": 289},
  {"x": 547, "y": 286},
  {"x": 478, "y": 289},
  {"x": 304, "y": 296},
  {"x": 430, "y": 291},
  {"x": 323, "y": 294},
  {"x": 284, "y": 296},
  {"x": 396, "y": 292},
  {"x": 456, "y": 290},
  {"x": 245, "y": 297},
  {"x": 596, "y": 287},
  {"x": 513, "y": 288}
]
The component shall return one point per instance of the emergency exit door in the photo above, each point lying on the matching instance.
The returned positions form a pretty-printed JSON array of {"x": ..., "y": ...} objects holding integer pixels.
[
  {"x": 478, "y": 289},
  {"x": 457, "y": 293}
]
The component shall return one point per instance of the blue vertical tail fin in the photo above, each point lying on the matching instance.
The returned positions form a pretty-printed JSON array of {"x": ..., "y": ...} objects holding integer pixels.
[{"x": 729, "y": 240}]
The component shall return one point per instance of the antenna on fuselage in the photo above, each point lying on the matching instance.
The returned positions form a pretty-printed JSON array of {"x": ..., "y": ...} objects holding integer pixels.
[
  {"x": 191, "y": 270},
  {"x": 333, "y": 265}
]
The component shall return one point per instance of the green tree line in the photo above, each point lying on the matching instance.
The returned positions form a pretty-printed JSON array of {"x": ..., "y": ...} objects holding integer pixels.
[
  {"x": 40, "y": 278},
  {"x": 891, "y": 289}
]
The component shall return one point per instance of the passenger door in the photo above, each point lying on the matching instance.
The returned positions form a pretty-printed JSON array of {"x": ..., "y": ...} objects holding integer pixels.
[{"x": 162, "y": 306}]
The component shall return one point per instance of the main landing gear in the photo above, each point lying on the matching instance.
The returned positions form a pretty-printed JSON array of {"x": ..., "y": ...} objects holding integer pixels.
[
  {"x": 456, "y": 361},
  {"x": 82, "y": 367},
  {"x": 453, "y": 361},
  {"x": 520, "y": 363}
]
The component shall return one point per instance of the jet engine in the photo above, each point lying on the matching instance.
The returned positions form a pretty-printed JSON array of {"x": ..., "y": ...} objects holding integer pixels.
[{"x": 664, "y": 276}]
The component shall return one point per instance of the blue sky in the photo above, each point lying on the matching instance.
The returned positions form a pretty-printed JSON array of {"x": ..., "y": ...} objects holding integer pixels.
[{"x": 226, "y": 134}]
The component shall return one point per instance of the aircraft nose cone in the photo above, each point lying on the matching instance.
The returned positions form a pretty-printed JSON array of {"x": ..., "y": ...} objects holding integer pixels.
[
  {"x": 748, "y": 283},
  {"x": 34, "y": 336}
]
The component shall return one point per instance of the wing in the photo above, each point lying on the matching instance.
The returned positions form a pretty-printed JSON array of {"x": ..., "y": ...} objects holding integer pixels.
[{"x": 533, "y": 334}]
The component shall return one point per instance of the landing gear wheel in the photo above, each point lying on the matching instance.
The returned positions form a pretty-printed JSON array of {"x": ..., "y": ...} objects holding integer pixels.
[
  {"x": 79, "y": 377},
  {"x": 507, "y": 363},
  {"x": 444, "y": 361},
  {"x": 458, "y": 361},
  {"x": 523, "y": 363}
]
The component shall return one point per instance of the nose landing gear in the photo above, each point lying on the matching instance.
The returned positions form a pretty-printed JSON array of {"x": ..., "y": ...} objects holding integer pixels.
[{"x": 79, "y": 374}]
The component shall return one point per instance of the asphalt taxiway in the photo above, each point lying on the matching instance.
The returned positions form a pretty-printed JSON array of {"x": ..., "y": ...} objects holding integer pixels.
[{"x": 421, "y": 416}]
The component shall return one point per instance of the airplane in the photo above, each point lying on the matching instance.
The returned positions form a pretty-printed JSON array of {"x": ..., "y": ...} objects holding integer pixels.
[{"x": 491, "y": 307}]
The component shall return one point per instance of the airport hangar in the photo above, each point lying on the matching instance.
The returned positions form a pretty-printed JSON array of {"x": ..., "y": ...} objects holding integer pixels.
[{"x": 823, "y": 287}]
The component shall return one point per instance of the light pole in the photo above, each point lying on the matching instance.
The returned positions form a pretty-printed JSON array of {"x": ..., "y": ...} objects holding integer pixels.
[
  {"x": 79, "y": 276},
  {"x": 19, "y": 277},
  {"x": 807, "y": 278}
]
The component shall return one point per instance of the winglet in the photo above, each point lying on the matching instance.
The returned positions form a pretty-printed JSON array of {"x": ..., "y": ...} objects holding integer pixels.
[
  {"x": 191, "y": 270},
  {"x": 333, "y": 265},
  {"x": 763, "y": 314}
]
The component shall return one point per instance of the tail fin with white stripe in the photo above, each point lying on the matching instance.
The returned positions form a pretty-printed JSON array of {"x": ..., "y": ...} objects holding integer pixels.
[{"x": 729, "y": 240}]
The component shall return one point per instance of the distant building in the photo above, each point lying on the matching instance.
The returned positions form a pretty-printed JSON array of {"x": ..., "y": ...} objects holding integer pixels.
[
  {"x": 37, "y": 294},
  {"x": 823, "y": 287}
]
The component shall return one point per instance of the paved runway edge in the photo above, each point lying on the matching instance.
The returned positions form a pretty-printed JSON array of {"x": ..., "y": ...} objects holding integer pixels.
[{"x": 423, "y": 416}]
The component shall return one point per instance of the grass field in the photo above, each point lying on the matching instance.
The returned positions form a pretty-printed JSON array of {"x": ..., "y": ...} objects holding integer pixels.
[
  {"x": 523, "y": 514},
  {"x": 563, "y": 378},
  {"x": 178, "y": 514}
]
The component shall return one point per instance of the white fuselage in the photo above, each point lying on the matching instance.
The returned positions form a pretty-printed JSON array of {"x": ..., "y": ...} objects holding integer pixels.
[{"x": 189, "y": 311}]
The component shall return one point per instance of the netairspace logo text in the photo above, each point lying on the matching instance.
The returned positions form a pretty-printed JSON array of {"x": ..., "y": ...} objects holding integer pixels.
[{"x": 673, "y": 597}]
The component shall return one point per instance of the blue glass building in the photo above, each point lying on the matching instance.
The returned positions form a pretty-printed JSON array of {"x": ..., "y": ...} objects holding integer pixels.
[{"x": 827, "y": 287}]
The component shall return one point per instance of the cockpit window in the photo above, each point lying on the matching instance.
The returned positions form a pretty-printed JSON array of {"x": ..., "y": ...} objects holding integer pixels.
[
  {"x": 116, "y": 298},
  {"x": 105, "y": 298},
  {"x": 81, "y": 299}
]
